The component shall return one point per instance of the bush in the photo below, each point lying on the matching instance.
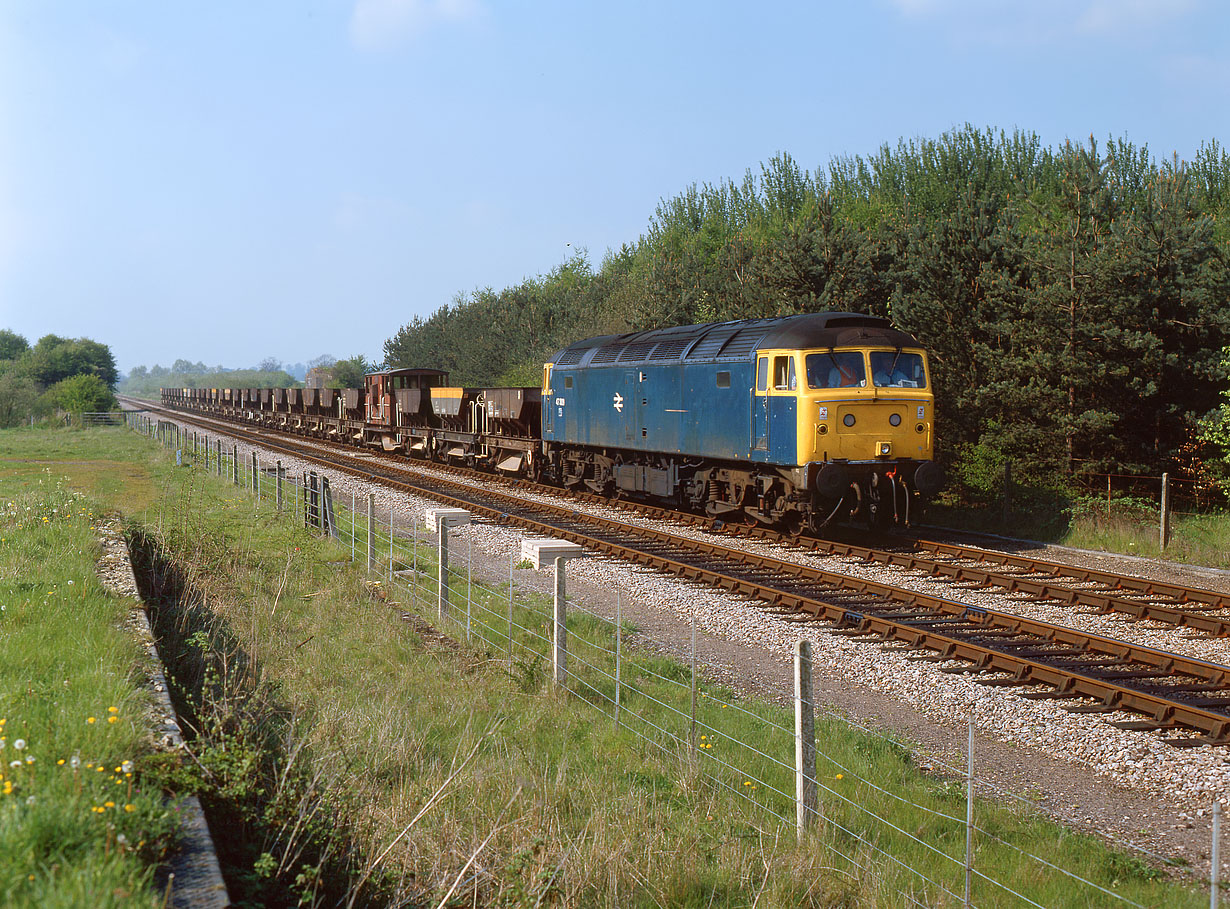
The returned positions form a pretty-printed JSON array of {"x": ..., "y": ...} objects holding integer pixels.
[{"x": 82, "y": 394}]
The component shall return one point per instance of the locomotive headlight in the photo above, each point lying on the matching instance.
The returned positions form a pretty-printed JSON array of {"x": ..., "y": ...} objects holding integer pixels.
[
  {"x": 822, "y": 428},
  {"x": 920, "y": 428},
  {"x": 848, "y": 419},
  {"x": 894, "y": 420}
]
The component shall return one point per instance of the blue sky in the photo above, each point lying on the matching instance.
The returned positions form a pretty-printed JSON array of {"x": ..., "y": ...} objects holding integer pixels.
[{"x": 225, "y": 181}]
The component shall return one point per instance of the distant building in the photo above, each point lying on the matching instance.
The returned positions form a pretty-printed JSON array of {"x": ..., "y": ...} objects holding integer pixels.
[{"x": 318, "y": 377}]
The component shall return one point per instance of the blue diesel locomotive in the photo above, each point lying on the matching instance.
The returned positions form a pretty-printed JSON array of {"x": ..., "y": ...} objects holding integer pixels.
[{"x": 797, "y": 421}]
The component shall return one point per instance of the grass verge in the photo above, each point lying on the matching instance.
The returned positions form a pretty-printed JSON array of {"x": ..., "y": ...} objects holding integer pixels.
[{"x": 80, "y": 822}]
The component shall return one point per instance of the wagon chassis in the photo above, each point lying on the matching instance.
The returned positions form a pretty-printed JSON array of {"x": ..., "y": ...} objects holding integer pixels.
[{"x": 1170, "y": 692}]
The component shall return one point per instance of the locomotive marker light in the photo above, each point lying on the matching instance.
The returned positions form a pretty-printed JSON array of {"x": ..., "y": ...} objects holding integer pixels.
[
  {"x": 440, "y": 520},
  {"x": 543, "y": 552}
]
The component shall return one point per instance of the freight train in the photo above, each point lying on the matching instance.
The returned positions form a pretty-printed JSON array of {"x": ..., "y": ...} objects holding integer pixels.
[{"x": 795, "y": 422}]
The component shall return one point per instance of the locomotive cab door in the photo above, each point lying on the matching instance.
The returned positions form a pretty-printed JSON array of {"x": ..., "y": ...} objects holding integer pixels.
[
  {"x": 548, "y": 401},
  {"x": 760, "y": 407}
]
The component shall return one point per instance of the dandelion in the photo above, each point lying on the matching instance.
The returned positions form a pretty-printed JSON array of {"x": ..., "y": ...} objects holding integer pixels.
[
  {"x": 14, "y": 764},
  {"x": 74, "y": 762},
  {"x": 120, "y": 839},
  {"x": 30, "y": 801},
  {"x": 19, "y": 745},
  {"x": 838, "y": 777},
  {"x": 108, "y": 804},
  {"x": 125, "y": 767},
  {"x": 130, "y": 807},
  {"x": 113, "y": 710},
  {"x": 112, "y": 719},
  {"x": 91, "y": 720}
]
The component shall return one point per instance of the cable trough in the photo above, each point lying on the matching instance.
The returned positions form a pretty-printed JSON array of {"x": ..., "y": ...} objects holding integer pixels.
[{"x": 1169, "y": 692}]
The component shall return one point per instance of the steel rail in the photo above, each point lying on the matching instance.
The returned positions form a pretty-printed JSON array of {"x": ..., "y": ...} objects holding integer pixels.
[
  {"x": 1046, "y": 588},
  {"x": 1196, "y": 595},
  {"x": 953, "y": 630}
]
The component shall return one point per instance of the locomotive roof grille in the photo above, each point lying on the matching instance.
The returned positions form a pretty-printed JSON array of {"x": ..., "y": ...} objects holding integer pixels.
[
  {"x": 671, "y": 349},
  {"x": 638, "y": 352},
  {"x": 735, "y": 340}
]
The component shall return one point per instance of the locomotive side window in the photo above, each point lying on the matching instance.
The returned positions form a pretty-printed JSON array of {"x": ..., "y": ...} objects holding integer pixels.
[
  {"x": 783, "y": 373},
  {"x": 894, "y": 369},
  {"x": 762, "y": 374},
  {"x": 567, "y": 381},
  {"x": 834, "y": 369},
  {"x": 723, "y": 380}
]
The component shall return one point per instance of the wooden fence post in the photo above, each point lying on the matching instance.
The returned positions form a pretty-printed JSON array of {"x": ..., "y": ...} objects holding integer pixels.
[
  {"x": 1164, "y": 529},
  {"x": 806, "y": 790}
]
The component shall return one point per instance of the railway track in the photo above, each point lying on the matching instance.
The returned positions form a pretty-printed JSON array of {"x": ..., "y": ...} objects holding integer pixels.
[{"x": 1168, "y": 692}]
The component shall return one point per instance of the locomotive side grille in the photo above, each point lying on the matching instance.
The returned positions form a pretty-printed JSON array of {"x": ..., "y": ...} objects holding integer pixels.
[{"x": 571, "y": 357}]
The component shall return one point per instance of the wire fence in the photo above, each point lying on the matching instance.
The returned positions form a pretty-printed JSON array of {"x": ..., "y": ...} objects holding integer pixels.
[
  {"x": 858, "y": 812},
  {"x": 1137, "y": 493}
]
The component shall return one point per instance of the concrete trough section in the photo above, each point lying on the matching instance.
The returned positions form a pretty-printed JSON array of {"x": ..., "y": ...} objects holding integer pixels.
[
  {"x": 450, "y": 517},
  {"x": 544, "y": 551}
]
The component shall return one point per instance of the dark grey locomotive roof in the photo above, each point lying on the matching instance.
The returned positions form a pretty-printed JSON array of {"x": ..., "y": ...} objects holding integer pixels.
[{"x": 733, "y": 340}]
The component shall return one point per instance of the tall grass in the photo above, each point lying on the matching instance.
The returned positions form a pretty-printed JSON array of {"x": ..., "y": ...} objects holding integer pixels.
[{"x": 1132, "y": 527}]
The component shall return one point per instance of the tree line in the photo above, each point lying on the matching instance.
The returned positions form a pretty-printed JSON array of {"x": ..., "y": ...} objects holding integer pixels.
[
  {"x": 69, "y": 374},
  {"x": 1073, "y": 298},
  {"x": 147, "y": 382}
]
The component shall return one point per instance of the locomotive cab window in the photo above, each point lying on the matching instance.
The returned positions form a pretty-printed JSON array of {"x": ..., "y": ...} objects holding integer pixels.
[
  {"x": 723, "y": 380},
  {"x": 783, "y": 374},
  {"x": 836, "y": 369},
  {"x": 896, "y": 369},
  {"x": 762, "y": 374}
]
